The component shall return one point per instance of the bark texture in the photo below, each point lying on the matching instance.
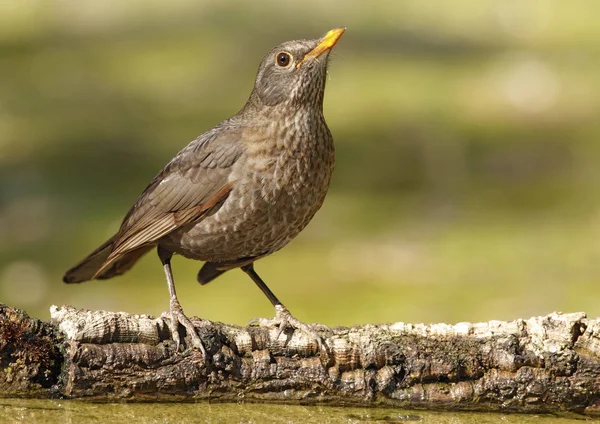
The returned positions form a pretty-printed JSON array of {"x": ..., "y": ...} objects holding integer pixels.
[
  {"x": 541, "y": 364},
  {"x": 30, "y": 357}
]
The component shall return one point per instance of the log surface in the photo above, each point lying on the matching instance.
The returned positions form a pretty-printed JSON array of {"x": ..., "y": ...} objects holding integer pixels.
[
  {"x": 541, "y": 364},
  {"x": 30, "y": 357}
]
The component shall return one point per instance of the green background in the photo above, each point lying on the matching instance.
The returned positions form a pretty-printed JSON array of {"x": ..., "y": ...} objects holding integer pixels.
[
  {"x": 73, "y": 411},
  {"x": 467, "y": 178}
]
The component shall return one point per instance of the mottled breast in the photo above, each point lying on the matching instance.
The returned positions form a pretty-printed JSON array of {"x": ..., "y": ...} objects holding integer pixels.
[{"x": 278, "y": 185}]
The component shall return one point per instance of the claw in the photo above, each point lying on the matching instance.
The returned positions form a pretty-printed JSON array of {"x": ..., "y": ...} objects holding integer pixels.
[
  {"x": 282, "y": 325},
  {"x": 284, "y": 319},
  {"x": 178, "y": 317}
]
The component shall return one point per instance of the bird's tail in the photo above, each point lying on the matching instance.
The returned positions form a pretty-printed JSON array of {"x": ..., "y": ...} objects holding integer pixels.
[
  {"x": 209, "y": 272},
  {"x": 87, "y": 268}
]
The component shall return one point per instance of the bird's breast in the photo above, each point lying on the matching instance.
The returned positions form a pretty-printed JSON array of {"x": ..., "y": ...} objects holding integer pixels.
[
  {"x": 293, "y": 166},
  {"x": 277, "y": 188}
]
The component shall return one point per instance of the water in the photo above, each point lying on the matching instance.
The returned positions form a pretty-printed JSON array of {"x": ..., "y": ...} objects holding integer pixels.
[{"x": 52, "y": 411}]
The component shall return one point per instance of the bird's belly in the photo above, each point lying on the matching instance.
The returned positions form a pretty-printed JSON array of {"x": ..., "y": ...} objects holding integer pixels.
[{"x": 255, "y": 220}]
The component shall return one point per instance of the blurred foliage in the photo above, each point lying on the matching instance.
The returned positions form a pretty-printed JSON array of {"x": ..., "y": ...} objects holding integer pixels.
[{"x": 467, "y": 144}]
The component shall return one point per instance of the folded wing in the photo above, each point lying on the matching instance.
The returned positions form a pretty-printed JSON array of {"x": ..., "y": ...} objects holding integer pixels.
[{"x": 196, "y": 180}]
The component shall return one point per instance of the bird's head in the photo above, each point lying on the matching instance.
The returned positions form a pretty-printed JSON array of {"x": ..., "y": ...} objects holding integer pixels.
[{"x": 294, "y": 72}]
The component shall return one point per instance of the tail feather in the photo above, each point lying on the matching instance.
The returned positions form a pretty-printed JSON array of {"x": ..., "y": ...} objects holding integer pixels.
[
  {"x": 209, "y": 272},
  {"x": 87, "y": 268},
  {"x": 124, "y": 263}
]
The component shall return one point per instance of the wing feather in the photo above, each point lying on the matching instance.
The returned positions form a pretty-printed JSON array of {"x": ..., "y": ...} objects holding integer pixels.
[{"x": 196, "y": 180}]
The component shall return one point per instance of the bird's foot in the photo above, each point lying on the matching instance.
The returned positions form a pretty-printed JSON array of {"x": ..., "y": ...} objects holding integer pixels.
[
  {"x": 176, "y": 317},
  {"x": 284, "y": 319}
]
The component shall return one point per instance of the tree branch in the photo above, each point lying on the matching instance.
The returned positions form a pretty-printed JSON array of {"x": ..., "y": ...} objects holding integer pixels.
[{"x": 541, "y": 364}]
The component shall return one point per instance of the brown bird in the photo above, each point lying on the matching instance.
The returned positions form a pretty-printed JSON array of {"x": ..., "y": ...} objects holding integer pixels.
[{"x": 240, "y": 191}]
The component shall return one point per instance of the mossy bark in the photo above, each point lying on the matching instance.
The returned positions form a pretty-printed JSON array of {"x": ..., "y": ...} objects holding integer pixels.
[
  {"x": 30, "y": 357},
  {"x": 537, "y": 365}
]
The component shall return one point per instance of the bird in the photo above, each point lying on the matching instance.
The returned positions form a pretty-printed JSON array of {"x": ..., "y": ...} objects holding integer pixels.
[{"x": 240, "y": 191}]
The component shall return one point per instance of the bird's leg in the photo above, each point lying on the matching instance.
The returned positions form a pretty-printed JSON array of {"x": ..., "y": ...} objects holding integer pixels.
[
  {"x": 283, "y": 317},
  {"x": 177, "y": 315}
]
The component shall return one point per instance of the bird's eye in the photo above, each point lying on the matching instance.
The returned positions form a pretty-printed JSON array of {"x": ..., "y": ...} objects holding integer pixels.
[{"x": 283, "y": 59}]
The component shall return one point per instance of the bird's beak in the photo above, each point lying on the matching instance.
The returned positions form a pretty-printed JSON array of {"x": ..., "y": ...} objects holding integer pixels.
[{"x": 325, "y": 44}]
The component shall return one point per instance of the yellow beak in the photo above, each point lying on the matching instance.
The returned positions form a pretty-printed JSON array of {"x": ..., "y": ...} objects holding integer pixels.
[{"x": 327, "y": 42}]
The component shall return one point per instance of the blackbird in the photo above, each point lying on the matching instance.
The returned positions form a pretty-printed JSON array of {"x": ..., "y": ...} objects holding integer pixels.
[{"x": 240, "y": 191}]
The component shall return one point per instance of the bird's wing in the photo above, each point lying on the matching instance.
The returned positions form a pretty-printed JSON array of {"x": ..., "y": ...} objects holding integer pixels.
[{"x": 196, "y": 180}]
